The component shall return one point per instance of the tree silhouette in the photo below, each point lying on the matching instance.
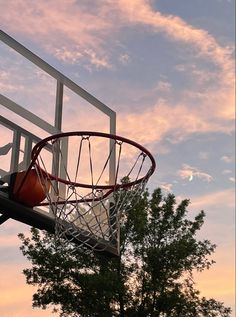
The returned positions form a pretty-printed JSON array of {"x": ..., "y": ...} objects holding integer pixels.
[{"x": 153, "y": 276}]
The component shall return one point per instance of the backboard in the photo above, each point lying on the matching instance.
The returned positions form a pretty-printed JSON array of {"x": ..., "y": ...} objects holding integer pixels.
[{"x": 38, "y": 101}]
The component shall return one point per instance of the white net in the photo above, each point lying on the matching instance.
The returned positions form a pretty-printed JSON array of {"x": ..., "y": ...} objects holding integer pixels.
[{"x": 89, "y": 190}]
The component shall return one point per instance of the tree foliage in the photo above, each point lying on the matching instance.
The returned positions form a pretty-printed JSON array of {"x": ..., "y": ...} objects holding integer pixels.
[{"x": 152, "y": 277}]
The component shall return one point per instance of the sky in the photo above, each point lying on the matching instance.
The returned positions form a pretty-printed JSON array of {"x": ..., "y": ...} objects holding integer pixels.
[{"x": 166, "y": 68}]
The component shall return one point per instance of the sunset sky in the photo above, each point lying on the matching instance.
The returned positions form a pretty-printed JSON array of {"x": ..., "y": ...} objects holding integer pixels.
[{"x": 166, "y": 68}]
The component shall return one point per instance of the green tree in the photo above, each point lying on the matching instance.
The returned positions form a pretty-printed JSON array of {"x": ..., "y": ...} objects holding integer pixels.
[{"x": 152, "y": 277}]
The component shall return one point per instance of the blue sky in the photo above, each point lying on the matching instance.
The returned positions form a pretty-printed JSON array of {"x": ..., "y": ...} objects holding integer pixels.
[{"x": 167, "y": 69}]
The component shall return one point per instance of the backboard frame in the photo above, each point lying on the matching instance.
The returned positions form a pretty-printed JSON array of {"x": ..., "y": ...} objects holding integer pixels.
[
  {"x": 14, "y": 210},
  {"x": 62, "y": 81}
]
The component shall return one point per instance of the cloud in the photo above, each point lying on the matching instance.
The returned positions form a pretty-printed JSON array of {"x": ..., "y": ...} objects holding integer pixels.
[
  {"x": 189, "y": 172},
  {"x": 66, "y": 55},
  {"x": 204, "y": 45},
  {"x": 68, "y": 30},
  {"x": 140, "y": 11},
  {"x": 163, "y": 86},
  {"x": 6, "y": 83},
  {"x": 222, "y": 199},
  {"x": 232, "y": 179},
  {"x": 174, "y": 123},
  {"x": 62, "y": 29},
  {"x": 96, "y": 60},
  {"x": 227, "y": 159},
  {"x": 124, "y": 59},
  {"x": 226, "y": 171},
  {"x": 167, "y": 187}
]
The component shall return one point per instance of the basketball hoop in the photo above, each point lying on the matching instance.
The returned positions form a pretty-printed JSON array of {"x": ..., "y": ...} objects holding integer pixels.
[{"x": 86, "y": 193}]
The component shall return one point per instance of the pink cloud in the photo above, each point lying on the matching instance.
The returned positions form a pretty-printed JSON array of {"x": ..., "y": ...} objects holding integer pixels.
[
  {"x": 166, "y": 121},
  {"x": 124, "y": 59},
  {"x": 176, "y": 29},
  {"x": 6, "y": 83},
  {"x": 224, "y": 199},
  {"x": 96, "y": 60},
  {"x": 232, "y": 179},
  {"x": 65, "y": 29},
  {"x": 163, "y": 86},
  {"x": 227, "y": 159},
  {"x": 189, "y": 172},
  {"x": 167, "y": 187},
  {"x": 140, "y": 11}
]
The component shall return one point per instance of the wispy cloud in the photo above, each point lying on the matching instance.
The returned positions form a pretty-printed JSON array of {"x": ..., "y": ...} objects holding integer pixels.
[
  {"x": 221, "y": 199},
  {"x": 6, "y": 84},
  {"x": 163, "y": 86},
  {"x": 198, "y": 110},
  {"x": 140, "y": 11},
  {"x": 226, "y": 171},
  {"x": 160, "y": 121},
  {"x": 167, "y": 187},
  {"x": 125, "y": 59},
  {"x": 232, "y": 179},
  {"x": 227, "y": 159},
  {"x": 205, "y": 45},
  {"x": 189, "y": 172},
  {"x": 69, "y": 28},
  {"x": 65, "y": 29},
  {"x": 97, "y": 61},
  {"x": 66, "y": 55}
]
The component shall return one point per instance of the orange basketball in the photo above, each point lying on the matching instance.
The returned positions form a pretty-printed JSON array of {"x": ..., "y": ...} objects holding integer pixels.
[{"x": 31, "y": 192}]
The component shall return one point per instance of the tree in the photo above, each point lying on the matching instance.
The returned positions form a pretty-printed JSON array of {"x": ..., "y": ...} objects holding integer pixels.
[{"x": 152, "y": 277}]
